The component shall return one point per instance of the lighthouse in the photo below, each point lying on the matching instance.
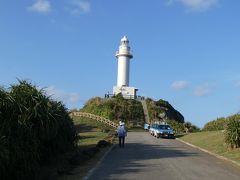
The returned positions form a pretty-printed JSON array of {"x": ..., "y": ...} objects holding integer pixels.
[{"x": 123, "y": 56}]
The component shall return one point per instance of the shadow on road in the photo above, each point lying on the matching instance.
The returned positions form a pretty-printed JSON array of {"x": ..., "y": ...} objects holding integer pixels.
[{"x": 132, "y": 158}]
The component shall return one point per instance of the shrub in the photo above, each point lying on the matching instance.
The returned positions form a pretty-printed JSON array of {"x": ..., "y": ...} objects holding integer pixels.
[
  {"x": 215, "y": 125},
  {"x": 189, "y": 127},
  {"x": 232, "y": 131},
  {"x": 176, "y": 126},
  {"x": 33, "y": 128}
]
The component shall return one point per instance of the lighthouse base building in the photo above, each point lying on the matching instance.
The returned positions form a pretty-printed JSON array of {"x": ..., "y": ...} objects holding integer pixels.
[
  {"x": 123, "y": 56},
  {"x": 127, "y": 92}
]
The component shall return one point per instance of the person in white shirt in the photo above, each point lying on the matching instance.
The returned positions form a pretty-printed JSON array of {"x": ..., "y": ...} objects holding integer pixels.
[{"x": 122, "y": 133}]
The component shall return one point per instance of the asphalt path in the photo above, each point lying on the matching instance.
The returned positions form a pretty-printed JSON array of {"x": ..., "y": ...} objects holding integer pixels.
[{"x": 147, "y": 157}]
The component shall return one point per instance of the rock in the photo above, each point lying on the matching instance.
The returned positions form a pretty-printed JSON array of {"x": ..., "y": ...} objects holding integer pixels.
[
  {"x": 163, "y": 110},
  {"x": 102, "y": 144}
]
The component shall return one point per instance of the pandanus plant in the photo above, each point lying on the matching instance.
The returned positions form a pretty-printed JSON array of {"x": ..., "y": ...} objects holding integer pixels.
[
  {"x": 33, "y": 127},
  {"x": 232, "y": 131}
]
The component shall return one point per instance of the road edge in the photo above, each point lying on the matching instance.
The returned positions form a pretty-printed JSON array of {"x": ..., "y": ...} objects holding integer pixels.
[
  {"x": 91, "y": 171},
  {"x": 209, "y": 152}
]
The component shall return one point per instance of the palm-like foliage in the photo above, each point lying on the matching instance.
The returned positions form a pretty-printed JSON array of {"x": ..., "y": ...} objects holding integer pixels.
[
  {"x": 232, "y": 131},
  {"x": 215, "y": 125},
  {"x": 32, "y": 128}
]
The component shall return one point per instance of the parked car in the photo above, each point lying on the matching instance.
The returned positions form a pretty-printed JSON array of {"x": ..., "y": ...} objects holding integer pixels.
[
  {"x": 151, "y": 129},
  {"x": 146, "y": 126},
  {"x": 162, "y": 130}
]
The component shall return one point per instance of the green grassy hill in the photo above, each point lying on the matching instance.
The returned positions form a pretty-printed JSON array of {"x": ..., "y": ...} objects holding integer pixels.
[
  {"x": 131, "y": 111},
  {"x": 117, "y": 108},
  {"x": 213, "y": 141}
]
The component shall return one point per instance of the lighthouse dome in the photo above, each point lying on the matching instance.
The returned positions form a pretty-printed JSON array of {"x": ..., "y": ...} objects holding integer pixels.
[{"x": 124, "y": 39}]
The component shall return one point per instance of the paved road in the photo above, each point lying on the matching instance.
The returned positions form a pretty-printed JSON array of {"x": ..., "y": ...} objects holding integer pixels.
[{"x": 146, "y": 157}]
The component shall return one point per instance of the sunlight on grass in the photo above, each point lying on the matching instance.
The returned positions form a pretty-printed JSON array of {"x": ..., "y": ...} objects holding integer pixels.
[
  {"x": 90, "y": 138},
  {"x": 213, "y": 141},
  {"x": 89, "y": 131}
]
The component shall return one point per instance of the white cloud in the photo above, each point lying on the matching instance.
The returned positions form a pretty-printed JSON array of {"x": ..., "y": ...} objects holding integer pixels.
[
  {"x": 196, "y": 5},
  {"x": 41, "y": 6},
  {"x": 237, "y": 84},
  {"x": 170, "y": 2},
  {"x": 62, "y": 95},
  {"x": 78, "y": 7},
  {"x": 178, "y": 85},
  {"x": 203, "y": 90}
]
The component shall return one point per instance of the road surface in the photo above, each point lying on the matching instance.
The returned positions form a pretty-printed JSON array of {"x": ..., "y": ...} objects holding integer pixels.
[{"x": 146, "y": 157}]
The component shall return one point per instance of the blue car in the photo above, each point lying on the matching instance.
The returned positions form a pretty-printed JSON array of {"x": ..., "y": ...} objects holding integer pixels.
[
  {"x": 162, "y": 130},
  {"x": 146, "y": 126}
]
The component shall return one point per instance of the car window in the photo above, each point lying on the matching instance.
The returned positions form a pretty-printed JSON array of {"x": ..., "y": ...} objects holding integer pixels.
[{"x": 164, "y": 127}]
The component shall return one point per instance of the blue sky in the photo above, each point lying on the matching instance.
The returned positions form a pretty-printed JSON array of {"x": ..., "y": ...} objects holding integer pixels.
[{"x": 185, "y": 51}]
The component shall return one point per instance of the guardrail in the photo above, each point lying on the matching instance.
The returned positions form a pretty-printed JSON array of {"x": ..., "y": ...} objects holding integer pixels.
[{"x": 95, "y": 117}]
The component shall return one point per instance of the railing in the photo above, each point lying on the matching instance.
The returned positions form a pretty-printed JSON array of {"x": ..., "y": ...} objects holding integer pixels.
[
  {"x": 108, "y": 96},
  {"x": 95, "y": 117}
]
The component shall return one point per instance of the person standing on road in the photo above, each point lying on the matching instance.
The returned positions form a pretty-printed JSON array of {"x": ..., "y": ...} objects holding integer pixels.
[{"x": 121, "y": 132}]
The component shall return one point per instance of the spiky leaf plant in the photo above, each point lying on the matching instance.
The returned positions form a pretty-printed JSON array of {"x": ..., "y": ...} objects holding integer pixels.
[
  {"x": 232, "y": 131},
  {"x": 33, "y": 127}
]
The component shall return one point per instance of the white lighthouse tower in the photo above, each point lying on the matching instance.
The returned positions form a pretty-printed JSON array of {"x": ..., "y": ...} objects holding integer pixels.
[{"x": 123, "y": 56}]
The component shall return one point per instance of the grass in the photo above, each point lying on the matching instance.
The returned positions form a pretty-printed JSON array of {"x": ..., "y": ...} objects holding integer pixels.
[
  {"x": 91, "y": 138},
  {"x": 212, "y": 141},
  {"x": 136, "y": 129},
  {"x": 90, "y": 132}
]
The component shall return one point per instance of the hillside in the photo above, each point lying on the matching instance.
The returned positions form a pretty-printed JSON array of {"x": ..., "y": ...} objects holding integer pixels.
[
  {"x": 162, "y": 110},
  {"x": 131, "y": 111},
  {"x": 117, "y": 108},
  {"x": 213, "y": 141}
]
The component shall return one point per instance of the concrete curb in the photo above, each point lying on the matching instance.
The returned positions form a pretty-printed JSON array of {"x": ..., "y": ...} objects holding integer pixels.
[
  {"x": 211, "y": 153},
  {"x": 98, "y": 163}
]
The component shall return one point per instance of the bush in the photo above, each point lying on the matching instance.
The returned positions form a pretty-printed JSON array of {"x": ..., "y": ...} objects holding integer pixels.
[
  {"x": 176, "y": 126},
  {"x": 189, "y": 127},
  {"x": 232, "y": 131},
  {"x": 33, "y": 128},
  {"x": 215, "y": 125}
]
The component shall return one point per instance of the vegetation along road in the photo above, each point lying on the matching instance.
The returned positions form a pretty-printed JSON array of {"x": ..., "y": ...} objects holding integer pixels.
[{"x": 146, "y": 157}]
